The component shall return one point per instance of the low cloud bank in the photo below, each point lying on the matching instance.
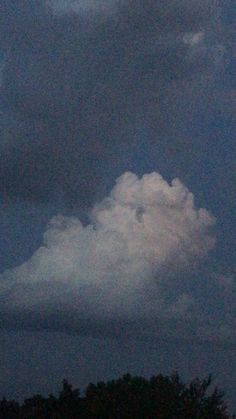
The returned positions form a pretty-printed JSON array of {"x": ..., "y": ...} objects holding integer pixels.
[{"x": 120, "y": 267}]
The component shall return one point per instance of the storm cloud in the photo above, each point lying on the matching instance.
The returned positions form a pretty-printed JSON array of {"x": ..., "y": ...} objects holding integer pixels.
[{"x": 78, "y": 84}]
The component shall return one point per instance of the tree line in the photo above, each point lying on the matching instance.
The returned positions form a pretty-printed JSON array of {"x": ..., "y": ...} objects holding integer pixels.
[{"x": 160, "y": 397}]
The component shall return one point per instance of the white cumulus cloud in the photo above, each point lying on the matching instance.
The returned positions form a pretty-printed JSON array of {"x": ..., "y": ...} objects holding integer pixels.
[{"x": 121, "y": 264}]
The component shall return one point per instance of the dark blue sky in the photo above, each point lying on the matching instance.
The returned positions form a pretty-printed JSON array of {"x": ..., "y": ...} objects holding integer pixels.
[{"x": 87, "y": 94}]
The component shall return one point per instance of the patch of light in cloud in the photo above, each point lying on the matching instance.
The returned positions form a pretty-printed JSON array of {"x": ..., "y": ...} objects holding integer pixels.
[{"x": 193, "y": 38}]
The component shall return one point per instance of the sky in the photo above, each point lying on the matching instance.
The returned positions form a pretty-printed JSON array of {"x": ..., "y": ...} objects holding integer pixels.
[{"x": 117, "y": 193}]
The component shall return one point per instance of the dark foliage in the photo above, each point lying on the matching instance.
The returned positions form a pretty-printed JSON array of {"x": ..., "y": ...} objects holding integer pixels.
[{"x": 160, "y": 397}]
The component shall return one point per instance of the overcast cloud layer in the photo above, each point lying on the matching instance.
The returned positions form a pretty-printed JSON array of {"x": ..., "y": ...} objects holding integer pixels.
[{"x": 80, "y": 85}]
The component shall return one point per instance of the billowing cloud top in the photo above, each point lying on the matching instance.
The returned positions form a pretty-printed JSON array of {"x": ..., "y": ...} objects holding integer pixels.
[{"x": 123, "y": 264}]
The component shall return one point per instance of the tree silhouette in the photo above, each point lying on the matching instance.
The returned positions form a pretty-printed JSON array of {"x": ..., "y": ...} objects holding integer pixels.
[
  {"x": 160, "y": 397},
  {"x": 9, "y": 409}
]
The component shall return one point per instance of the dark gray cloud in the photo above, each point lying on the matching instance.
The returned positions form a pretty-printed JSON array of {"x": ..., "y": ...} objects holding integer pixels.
[{"x": 75, "y": 80}]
